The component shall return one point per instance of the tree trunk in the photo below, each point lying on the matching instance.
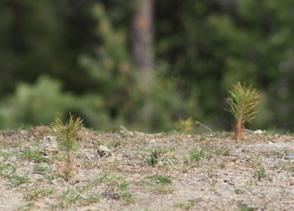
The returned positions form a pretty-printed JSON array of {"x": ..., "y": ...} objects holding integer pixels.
[
  {"x": 142, "y": 41},
  {"x": 238, "y": 129}
]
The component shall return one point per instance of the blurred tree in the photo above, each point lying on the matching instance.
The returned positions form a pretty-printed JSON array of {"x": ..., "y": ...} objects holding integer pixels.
[
  {"x": 142, "y": 40},
  {"x": 111, "y": 68},
  {"x": 142, "y": 43},
  {"x": 44, "y": 37},
  {"x": 210, "y": 44},
  {"x": 202, "y": 45}
]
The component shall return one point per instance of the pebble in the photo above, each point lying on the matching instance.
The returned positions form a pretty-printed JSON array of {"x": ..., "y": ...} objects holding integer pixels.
[{"x": 103, "y": 151}]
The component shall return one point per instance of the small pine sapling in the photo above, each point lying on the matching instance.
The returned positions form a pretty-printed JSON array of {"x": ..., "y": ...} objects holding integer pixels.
[
  {"x": 67, "y": 140},
  {"x": 243, "y": 102}
]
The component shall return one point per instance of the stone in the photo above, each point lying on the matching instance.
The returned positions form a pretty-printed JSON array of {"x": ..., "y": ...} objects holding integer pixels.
[{"x": 103, "y": 151}]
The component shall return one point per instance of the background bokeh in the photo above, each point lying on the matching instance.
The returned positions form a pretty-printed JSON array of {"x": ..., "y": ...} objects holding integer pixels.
[{"x": 144, "y": 64}]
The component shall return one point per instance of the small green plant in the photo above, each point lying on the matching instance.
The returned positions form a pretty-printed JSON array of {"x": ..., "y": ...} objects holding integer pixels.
[
  {"x": 162, "y": 180},
  {"x": 67, "y": 139},
  {"x": 77, "y": 196},
  {"x": 239, "y": 191},
  {"x": 16, "y": 180},
  {"x": 127, "y": 197},
  {"x": 243, "y": 102},
  {"x": 40, "y": 169},
  {"x": 4, "y": 155},
  {"x": 109, "y": 179},
  {"x": 197, "y": 154},
  {"x": 33, "y": 156},
  {"x": 37, "y": 193},
  {"x": 261, "y": 173},
  {"x": 123, "y": 186},
  {"x": 154, "y": 156},
  {"x": 69, "y": 197},
  {"x": 7, "y": 169}
]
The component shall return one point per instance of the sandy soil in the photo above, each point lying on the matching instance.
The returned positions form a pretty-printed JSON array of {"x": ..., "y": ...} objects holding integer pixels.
[{"x": 128, "y": 170}]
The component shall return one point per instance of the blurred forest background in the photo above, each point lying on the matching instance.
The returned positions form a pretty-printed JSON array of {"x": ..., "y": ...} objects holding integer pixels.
[{"x": 144, "y": 64}]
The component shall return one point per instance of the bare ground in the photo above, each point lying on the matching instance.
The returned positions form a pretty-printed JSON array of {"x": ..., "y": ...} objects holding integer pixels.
[{"x": 128, "y": 170}]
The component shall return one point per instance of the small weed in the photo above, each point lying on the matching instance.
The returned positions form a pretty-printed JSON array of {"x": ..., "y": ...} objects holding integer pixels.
[
  {"x": 161, "y": 180},
  {"x": 15, "y": 180},
  {"x": 151, "y": 160},
  {"x": 239, "y": 191},
  {"x": 107, "y": 178},
  {"x": 37, "y": 193},
  {"x": 27, "y": 207},
  {"x": 261, "y": 173},
  {"x": 154, "y": 156},
  {"x": 34, "y": 156},
  {"x": 117, "y": 187},
  {"x": 79, "y": 196},
  {"x": 40, "y": 169},
  {"x": 197, "y": 154},
  {"x": 158, "y": 184},
  {"x": 69, "y": 197},
  {"x": 223, "y": 151},
  {"x": 123, "y": 186},
  {"x": 90, "y": 199},
  {"x": 51, "y": 177},
  {"x": 7, "y": 169},
  {"x": 4, "y": 155},
  {"x": 127, "y": 197}
]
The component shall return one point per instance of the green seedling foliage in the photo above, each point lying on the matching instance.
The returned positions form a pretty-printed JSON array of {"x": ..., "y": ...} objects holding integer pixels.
[
  {"x": 261, "y": 173},
  {"x": 67, "y": 136},
  {"x": 243, "y": 102}
]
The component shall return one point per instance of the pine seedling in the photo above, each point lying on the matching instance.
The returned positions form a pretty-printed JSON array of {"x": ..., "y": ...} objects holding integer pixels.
[
  {"x": 66, "y": 134},
  {"x": 243, "y": 102}
]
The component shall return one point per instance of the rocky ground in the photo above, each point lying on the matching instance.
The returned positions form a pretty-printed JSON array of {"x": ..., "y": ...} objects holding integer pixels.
[{"x": 128, "y": 170}]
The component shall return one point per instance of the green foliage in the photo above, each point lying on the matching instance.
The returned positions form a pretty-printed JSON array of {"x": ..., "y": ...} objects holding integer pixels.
[
  {"x": 16, "y": 180},
  {"x": 67, "y": 133},
  {"x": 243, "y": 102},
  {"x": 35, "y": 104},
  {"x": 37, "y": 193},
  {"x": 127, "y": 197},
  {"x": 44, "y": 101},
  {"x": 111, "y": 62},
  {"x": 119, "y": 81},
  {"x": 261, "y": 173},
  {"x": 161, "y": 179},
  {"x": 202, "y": 49},
  {"x": 211, "y": 44},
  {"x": 33, "y": 156},
  {"x": 153, "y": 157},
  {"x": 197, "y": 154}
]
